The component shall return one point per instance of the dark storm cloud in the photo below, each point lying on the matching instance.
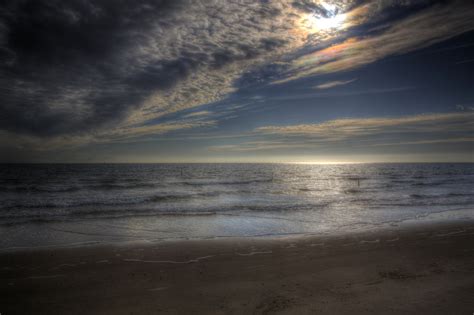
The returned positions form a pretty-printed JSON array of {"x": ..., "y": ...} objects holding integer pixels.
[
  {"x": 69, "y": 67},
  {"x": 61, "y": 69}
]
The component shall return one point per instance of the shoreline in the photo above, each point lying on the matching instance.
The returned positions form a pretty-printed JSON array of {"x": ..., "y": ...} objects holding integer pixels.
[
  {"x": 423, "y": 268},
  {"x": 123, "y": 240}
]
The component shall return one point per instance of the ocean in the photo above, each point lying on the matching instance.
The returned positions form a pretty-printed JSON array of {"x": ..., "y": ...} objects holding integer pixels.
[{"x": 66, "y": 204}]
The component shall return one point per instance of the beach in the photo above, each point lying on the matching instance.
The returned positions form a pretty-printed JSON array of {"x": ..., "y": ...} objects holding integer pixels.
[
  {"x": 422, "y": 269},
  {"x": 236, "y": 157}
]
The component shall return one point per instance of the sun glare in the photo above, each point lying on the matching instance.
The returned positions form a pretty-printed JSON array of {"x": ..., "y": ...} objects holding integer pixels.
[{"x": 332, "y": 21}]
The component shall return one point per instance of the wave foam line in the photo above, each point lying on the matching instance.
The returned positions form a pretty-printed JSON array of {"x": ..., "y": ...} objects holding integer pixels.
[
  {"x": 195, "y": 260},
  {"x": 254, "y": 253}
]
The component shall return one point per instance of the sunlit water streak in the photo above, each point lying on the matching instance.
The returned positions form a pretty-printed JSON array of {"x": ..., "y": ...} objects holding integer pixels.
[{"x": 45, "y": 205}]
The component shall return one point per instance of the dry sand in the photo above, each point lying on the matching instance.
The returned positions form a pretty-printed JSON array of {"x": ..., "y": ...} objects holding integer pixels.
[{"x": 418, "y": 270}]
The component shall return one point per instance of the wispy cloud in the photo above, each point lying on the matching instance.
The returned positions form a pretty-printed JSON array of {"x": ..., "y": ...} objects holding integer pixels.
[
  {"x": 87, "y": 70},
  {"x": 340, "y": 94},
  {"x": 365, "y": 132},
  {"x": 464, "y": 61},
  {"x": 430, "y": 26},
  {"x": 124, "y": 135},
  {"x": 199, "y": 114},
  {"x": 465, "y": 107},
  {"x": 331, "y": 84},
  {"x": 435, "y": 141},
  {"x": 351, "y": 127},
  {"x": 157, "y": 129}
]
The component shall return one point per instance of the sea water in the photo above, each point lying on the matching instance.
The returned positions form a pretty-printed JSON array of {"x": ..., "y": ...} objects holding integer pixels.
[{"x": 63, "y": 204}]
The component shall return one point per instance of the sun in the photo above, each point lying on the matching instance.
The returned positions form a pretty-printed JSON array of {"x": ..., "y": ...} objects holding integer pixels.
[{"x": 333, "y": 21}]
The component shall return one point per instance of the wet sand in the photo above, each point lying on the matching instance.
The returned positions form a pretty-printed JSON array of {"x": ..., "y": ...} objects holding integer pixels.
[{"x": 417, "y": 270}]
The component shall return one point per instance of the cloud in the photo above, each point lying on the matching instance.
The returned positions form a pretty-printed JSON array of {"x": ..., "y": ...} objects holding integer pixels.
[
  {"x": 464, "y": 107},
  {"x": 331, "y": 84},
  {"x": 94, "y": 70},
  {"x": 363, "y": 132},
  {"x": 80, "y": 66},
  {"x": 352, "y": 127},
  {"x": 437, "y": 23},
  {"x": 464, "y": 61},
  {"x": 26, "y": 143},
  {"x": 198, "y": 114},
  {"x": 341, "y": 94}
]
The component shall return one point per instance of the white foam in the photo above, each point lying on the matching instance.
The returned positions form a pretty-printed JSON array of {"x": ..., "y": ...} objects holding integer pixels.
[
  {"x": 195, "y": 260},
  {"x": 450, "y": 233},
  {"x": 254, "y": 253}
]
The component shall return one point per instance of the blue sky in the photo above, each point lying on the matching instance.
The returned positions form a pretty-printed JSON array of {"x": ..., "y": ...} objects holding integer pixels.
[{"x": 298, "y": 81}]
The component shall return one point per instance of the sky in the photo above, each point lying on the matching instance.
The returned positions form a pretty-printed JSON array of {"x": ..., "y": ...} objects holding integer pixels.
[{"x": 85, "y": 81}]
